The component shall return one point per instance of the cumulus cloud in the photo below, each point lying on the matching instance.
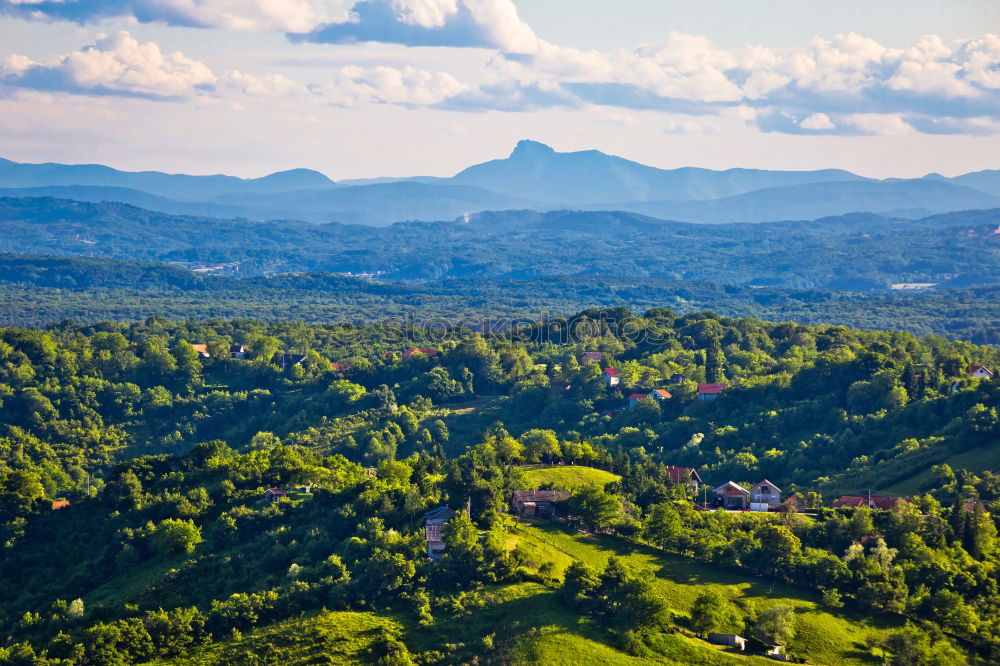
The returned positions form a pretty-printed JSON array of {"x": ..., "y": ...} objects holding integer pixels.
[
  {"x": 492, "y": 24},
  {"x": 113, "y": 65},
  {"x": 281, "y": 15},
  {"x": 354, "y": 85}
]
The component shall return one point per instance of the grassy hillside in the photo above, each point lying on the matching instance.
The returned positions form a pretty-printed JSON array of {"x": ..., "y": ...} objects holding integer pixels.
[
  {"x": 823, "y": 635},
  {"x": 326, "y": 638},
  {"x": 567, "y": 477},
  {"x": 976, "y": 461}
]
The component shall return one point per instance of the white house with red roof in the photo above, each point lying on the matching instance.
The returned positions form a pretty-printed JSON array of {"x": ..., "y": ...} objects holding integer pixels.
[
  {"x": 980, "y": 372},
  {"x": 711, "y": 391},
  {"x": 611, "y": 377}
]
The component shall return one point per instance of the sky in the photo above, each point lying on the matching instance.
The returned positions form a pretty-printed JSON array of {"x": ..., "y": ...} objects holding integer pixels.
[{"x": 357, "y": 89}]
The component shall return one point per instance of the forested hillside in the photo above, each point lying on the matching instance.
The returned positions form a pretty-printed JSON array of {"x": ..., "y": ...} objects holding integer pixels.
[
  {"x": 859, "y": 252},
  {"x": 134, "y": 460}
]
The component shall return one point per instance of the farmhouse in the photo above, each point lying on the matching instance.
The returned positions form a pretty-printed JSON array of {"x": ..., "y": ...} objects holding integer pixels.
[
  {"x": 659, "y": 395},
  {"x": 764, "y": 496},
  {"x": 732, "y": 640},
  {"x": 711, "y": 391},
  {"x": 686, "y": 475},
  {"x": 237, "y": 351},
  {"x": 634, "y": 399},
  {"x": 731, "y": 495},
  {"x": 980, "y": 372},
  {"x": 202, "y": 350},
  {"x": 610, "y": 377},
  {"x": 274, "y": 494},
  {"x": 540, "y": 503},
  {"x": 869, "y": 500},
  {"x": 587, "y": 357},
  {"x": 434, "y": 521},
  {"x": 796, "y": 502}
]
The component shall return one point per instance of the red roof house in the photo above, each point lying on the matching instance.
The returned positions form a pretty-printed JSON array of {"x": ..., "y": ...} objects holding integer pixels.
[
  {"x": 710, "y": 391},
  {"x": 60, "y": 504},
  {"x": 634, "y": 399},
  {"x": 659, "y": 394},
  {"x": 871, "y": 501},
  {"x": 274, "y": 494},
  {"x": 611, "y": 377},
  {"x": 687, "y": 475},
  {"x": 587, "y": 357},
  {"x": 980, "y": 372}
]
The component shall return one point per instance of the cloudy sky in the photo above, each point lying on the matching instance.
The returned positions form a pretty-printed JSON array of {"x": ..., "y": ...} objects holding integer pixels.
[{"x": 405, "y": 87}]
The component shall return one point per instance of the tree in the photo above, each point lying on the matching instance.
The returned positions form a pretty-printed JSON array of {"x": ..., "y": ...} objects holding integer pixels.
[
  {"x": 596, "y": 508},
  {"x": 776, "y": 625},
  {"x": 712, "y": 612},
  {"x": 173, "y": 536}
]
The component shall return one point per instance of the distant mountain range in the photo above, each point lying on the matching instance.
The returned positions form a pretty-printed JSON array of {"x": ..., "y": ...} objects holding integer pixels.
[{"x": 534, "y": 177}]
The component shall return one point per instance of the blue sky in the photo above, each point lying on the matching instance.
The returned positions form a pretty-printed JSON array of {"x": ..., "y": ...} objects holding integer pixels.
[{"x": 405, "y": 87}]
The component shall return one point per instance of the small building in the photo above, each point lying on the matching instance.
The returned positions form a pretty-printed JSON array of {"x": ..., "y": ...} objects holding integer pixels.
[
  {"x": 60, "y": 504},
  {"x": 434, "y": 521},
  {"x": 794, "y": 501},
  {"x": 764, "y": 496},
  {"x": 732, "y": 640},
  {"x": 711, "y": 391},
  {"x": 634, "y": 399},
  {"x": 610, "y": 377},
  {"x": 587, "y": 357},
  {"x": 660, "y": 395},
  {"x": 541, "y": 503},
  {"x": 237, "y": 351},
  {"x": 274, "y": 494},
  {"x": 731, "y": 495},
  {"x": 869, "y": 500},
  {"x": 684, "y": 475},
  {"x": 289, "y": 360},
  {"x": 202, "y": 350},
  {"x": 677, "y": 378},
  {"x": 429, "y": 353},
  {"x": 980, "y": 372}
]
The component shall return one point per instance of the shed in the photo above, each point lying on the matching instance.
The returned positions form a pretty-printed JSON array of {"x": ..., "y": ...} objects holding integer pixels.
[{"x": 732, "y": 640}]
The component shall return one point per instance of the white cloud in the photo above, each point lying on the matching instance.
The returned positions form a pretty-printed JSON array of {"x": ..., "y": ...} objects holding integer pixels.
[
  {"x": 354, "y": 85},
  {"x": 493, "y": 24},
  {"x": 817, "y": 121},
  {"x": 116, "y": 64},
  {"x": 279, "y": 15}
]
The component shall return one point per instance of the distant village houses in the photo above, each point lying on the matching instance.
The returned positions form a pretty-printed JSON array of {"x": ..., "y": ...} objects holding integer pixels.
[
  {"x": 610, "y": 377},
  {"x": 684, "y": 475},
  {"x": 871, "y": 501},
  {"x": 237, "y": 351},
  {"x": 202, "y": 350},
  {"x": 764, "y": 496},
  {"x": 274, "y": 494},
  {"x": 731, "y": 495},
  {"x": 587, "y": 357}
]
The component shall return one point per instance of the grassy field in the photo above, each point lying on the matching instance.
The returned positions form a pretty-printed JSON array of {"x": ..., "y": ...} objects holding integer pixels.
[
  {"x": 825, "y": 636},
  {"x": 977, "y": 460},
  {"x": 326, "y": 638},
  {"x": 566, "y": 477}
]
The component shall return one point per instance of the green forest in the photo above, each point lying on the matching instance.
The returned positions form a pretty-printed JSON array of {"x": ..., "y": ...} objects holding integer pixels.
[{"x": 233, "y": 490}]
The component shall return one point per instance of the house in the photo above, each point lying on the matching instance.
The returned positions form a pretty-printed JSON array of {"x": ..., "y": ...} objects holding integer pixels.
[
  {"x": 541, "y": 503},
  {"x": 660, "y": 395},
  {"x": 237, "y": 351},
  {"x": 794, "y": 501},
  {"x": 340, "y": 366},
  {"x": 677, "y": 378},
  {"x": 710, "y": 391},
  {"x": 429, "y": 353},
  {"x": 731, "y": 495},
  {"x": 764, "y": 496},
  {"x": 732, "y": 640},
  {"x": 564, "y": 386},
  {"x": 274, "y": 494},
  {"x": 434, "y": 521},
  {"x": 776, "y": 652},
  {"x": 686, "y": 475},
  {"x": 869, "y": 500},
  {"x": 587, "y": 357},
  {"x": 289, "y": 360},
  {"x": 634, "y": 399},
  {"x": 60, "y": 504},
  {"x": 202, "y": 350},
  {"x": 980, "y": 372},
  {"x": 610, "y": 377}
]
